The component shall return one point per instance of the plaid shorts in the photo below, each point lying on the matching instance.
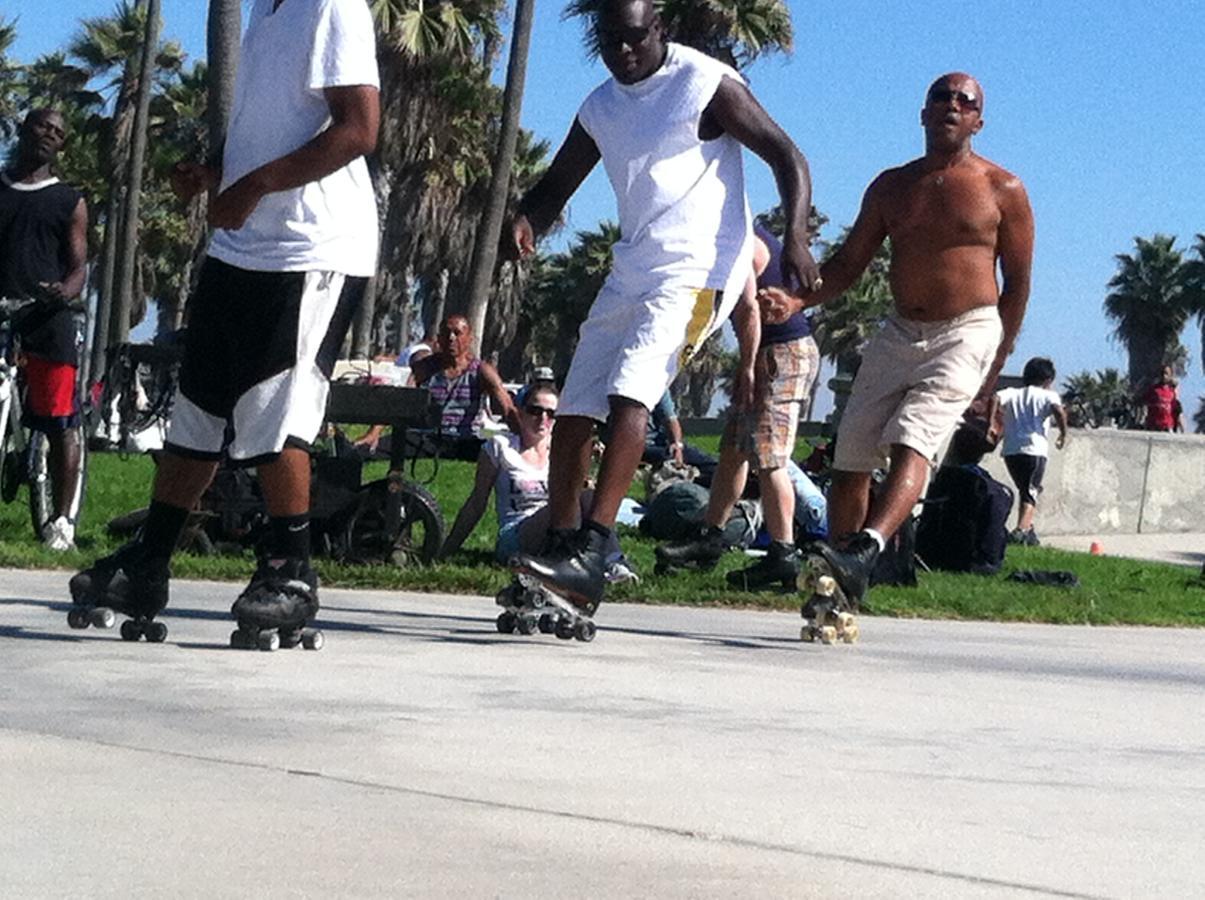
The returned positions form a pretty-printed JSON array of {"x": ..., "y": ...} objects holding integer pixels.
[{"x": 766, "y": 432}]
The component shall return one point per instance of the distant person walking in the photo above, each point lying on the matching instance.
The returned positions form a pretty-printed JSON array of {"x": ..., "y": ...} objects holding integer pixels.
[
  {"x": 1023, "y": 414},
  {"x": 1162, "y": 401}
]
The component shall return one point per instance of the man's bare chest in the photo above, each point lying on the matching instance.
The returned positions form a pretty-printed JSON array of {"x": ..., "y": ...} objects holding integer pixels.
[{"x": 944, "y": 208}]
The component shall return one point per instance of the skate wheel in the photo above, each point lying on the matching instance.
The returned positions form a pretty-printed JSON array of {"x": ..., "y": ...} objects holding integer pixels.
[
  {"x": 312, "y": 639},
  {"x": 527, "y": 625},
  {"x": 77, "y": 618},
  {"x": 156, "y": 632},
  {"x": 585, "y": 630},
  {"x": 547, "y": 623},
  {"x": 241, "y": 640},
  {"x": 850, "y": 635},
  {"x": 564, "y": 630},
  {"x": 268, "y": 641},
  {"x": 828, "y": 634},
  {"x": 102, "y": 617},
  {"x": 130, "y": 630},
  {"x": 807, "y": 634},
  {"x": 826, "y": 585},
  {"x": 506, "y": 623},
  {"x": 290, "y": 639}
]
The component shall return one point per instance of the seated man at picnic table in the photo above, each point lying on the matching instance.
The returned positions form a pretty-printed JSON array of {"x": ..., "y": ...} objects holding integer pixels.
[{"x": 459, "y": 384}]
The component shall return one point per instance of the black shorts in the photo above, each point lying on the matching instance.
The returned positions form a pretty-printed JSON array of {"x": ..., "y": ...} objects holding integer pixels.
[
  {"x": 1027, "y": 472},
  {"x": 257, "y": 358}
]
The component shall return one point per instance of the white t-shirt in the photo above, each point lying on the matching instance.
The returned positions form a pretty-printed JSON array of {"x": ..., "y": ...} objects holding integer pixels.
[
  {"x": 683, "y": 217},
  {"x": 1026, "y": 412},
  {"x": 288, "y": 57},
  {"x": 520, "y": 488}
]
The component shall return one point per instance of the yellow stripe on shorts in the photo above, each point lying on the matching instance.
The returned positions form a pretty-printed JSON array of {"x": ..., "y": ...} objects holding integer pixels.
[{"x": 702, "y": 319}]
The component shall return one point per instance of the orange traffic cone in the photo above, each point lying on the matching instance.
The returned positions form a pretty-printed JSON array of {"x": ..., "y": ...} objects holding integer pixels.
[{"x": 1096, "y": 549}]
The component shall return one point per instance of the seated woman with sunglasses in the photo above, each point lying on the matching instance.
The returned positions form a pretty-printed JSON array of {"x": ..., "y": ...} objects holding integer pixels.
[{"x": 515, "y": 467}]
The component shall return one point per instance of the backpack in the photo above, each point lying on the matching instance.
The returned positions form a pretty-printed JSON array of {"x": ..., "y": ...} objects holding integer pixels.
[
  {"x": 897, "y": 563},
  {"x": 964, "y": 526}
]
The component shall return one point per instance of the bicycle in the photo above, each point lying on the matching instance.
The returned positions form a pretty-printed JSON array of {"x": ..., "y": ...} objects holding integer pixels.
[{"x": 25, "y": 452}]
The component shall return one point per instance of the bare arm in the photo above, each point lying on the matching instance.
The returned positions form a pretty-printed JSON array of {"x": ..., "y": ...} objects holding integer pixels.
[
  {"x": 1060, "y": 421},
  {"x": 542, "y": 204},
  {"x": 746, "y": 321},
  {"x": 355, "y": 120},
  {"x": 497, "y": 391},
  {"x": 737, "y": 112},
  {"x": 77, "y": 256},
  {"x": 474, "y": 507},
  {"x": 1015, "y": 252},
  {"x": 844, "y": 267}
]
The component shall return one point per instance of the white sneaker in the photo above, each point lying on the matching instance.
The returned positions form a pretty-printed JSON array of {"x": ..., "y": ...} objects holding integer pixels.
[
  {"x": 59, "y": 534},
  {"x": 619, "y": 570}
]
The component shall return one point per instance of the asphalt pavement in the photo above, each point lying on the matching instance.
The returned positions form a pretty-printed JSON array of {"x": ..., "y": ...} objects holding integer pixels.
[{"x": 683, "y": 753}]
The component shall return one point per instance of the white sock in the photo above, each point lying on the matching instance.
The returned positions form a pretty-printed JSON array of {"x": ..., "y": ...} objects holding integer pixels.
[{"x": 878, "y": 538}]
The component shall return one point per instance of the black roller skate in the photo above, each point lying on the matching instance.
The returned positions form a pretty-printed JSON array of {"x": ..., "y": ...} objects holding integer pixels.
[
  {"x": 779, "y": 566},
  {"x": 126, "y": 582},
  {"x": 276, "y": 606},
  {"x": 835, "y": 583},
  {"x": 702, "y": 550},
  {"x": 573, "y": 573},
  {"x": 528, "y": 607}
]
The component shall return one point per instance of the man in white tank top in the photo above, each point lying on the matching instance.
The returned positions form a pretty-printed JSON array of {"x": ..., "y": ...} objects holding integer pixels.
[{"x": 668, "y": 127}]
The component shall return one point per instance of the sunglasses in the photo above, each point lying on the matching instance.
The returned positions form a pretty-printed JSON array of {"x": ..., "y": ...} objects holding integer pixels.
[
  {"x": 540, "y": 411},
  {"x": 965, "y": 99},
  {"x": 633, "y": 37}
]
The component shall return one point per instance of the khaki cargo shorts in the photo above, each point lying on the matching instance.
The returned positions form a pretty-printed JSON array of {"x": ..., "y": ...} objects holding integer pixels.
[{"x": 916, "y": 381}]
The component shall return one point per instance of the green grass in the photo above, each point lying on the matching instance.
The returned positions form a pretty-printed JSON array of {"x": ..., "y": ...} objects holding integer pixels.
[{"x": 1112, "y": 591}]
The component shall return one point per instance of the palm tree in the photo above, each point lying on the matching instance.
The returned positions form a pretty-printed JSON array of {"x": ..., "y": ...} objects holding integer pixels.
[
  {"x": 110, "y": 48},
  {"x": 10, "y": 80},
  {"x": 1148, "y": 304},
  {"x": 845, "y": 325},
  {"x": 221, "y": 53},
  {"x": 485, "y": 244},
  {"x": 1194, "y": 288},
  {"x": 734, "y": 31}
]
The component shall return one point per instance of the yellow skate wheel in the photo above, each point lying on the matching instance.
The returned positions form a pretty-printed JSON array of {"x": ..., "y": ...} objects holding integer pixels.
[
  {"x": 850, "y": 635},
  {"x": 826, "y": 585},
  {"x": 828, "y": 634}
]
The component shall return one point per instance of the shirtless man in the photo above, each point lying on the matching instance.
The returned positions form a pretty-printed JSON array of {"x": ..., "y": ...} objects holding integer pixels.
[
  {"x": 951, "y": 216},
  {"x": 668, "y": 127}
]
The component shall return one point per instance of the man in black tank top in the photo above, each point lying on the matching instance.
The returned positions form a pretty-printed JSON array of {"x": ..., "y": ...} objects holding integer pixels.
[{"x": 43, "y": 251}]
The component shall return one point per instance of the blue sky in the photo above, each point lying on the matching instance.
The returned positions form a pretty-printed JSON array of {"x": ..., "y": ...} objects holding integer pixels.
[{"x": 1098, "y": 107}]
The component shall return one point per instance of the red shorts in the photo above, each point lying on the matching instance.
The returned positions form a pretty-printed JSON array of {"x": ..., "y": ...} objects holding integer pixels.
[{"x": 51, "y": 388}]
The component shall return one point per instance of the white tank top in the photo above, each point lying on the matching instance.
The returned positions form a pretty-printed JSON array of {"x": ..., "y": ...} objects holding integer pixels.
[{"x": 683, "y": 217}]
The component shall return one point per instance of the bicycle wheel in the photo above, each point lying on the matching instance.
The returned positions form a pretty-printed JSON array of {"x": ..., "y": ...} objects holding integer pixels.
[
  {"x": 416, "y": 540},
  {"x": 41, "y": 490},
  {"x": 12, "y": 470}
]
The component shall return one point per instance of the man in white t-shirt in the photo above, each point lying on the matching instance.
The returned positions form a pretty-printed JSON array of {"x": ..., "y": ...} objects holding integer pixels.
[
  {"x": 668, "y": 127},
  {"x": 295, "y": 241},
  {"x": 1022, "y": 414}
]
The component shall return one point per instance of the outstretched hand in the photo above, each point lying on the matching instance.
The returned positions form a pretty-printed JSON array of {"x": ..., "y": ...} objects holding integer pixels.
[
  {"x": 522, "y": 243},
  {"x": 798, "y": 266}
]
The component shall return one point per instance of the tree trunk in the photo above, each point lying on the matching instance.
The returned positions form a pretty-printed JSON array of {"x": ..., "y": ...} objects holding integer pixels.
[
  {"x": 485, "y": 245},
  {"x": 222, "y": 54},
  {"x": 108, "y": 266},
  {"x": 120, "y": 324}
]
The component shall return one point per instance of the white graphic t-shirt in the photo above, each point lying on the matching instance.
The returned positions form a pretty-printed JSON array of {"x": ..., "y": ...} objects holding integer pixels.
[
  {"x": 520, "y": 488},
  {"x": 289, "y": 55}
]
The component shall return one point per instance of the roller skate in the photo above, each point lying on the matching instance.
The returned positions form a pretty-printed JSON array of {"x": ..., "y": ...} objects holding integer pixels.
[
  {"x": 835, "y": 584},
  {"x": 125, "y": 582},
  {"x": 703, "y": 550},
  {"x": 572, "y": 571},
  {"x": 779, "y": 566},
  {"x": 528, "y": 607},
  {"x": 276, "y": 606}
]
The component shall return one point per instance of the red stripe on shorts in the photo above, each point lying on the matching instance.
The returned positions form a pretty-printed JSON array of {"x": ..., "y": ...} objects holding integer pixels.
[{"x": 51, "y": 387}]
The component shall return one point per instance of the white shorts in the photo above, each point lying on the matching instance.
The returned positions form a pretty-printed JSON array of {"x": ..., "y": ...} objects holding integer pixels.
[
  {"x": 916, "y": 381},
  {"x": 257, "y": 357},
  {"x": 632, "y": 346}
]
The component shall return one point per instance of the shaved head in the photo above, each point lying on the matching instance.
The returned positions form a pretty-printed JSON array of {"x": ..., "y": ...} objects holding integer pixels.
[{"x": 958, "y": 81}]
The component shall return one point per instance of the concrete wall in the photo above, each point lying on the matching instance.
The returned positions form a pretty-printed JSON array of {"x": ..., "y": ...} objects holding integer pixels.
[{"x": 1120, "y": 482}]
